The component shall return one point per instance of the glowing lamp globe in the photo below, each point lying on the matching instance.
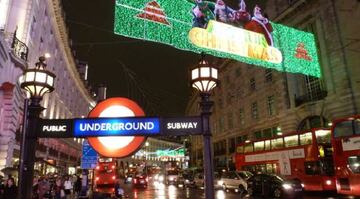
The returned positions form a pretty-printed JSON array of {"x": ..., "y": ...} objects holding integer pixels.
[
  {"x": 204, "y": 77},
  {"x": 38, "y": 81}
]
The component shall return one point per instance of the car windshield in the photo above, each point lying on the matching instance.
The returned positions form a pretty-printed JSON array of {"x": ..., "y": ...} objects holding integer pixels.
[
  {"x": 278, "y": 178},
  {"x": 245, "y": 175}
]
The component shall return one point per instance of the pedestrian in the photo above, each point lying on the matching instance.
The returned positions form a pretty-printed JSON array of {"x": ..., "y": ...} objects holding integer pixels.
[
  {"x": 44, "y": 188},
  {"x": 58, "y": 189},
  {"x": 119, "y": 192},
  {"x": 2, "y": 188},
  {"x": 10, "y": 191},
  {"x": 77, "y": 187},
  {"x": 68, "y": 187},
  {"x": 35, "y": 188}
]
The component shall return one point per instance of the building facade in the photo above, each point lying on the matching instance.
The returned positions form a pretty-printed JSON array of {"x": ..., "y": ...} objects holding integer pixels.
[
  {"x": 29, "y": 29},
  {"x": 253, "y": 103}
]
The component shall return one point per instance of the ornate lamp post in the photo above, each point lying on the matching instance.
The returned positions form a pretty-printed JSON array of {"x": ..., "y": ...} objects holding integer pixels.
[
  {"x": 36, "y": 81},
  {"x": 204, "y": 78}
]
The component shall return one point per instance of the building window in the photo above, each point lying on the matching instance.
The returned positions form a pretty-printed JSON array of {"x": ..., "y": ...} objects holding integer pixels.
[
  {"x": 252, "y": 84},
  {"x": 230, "y": 120},
  {"x": 258, "y": 135},
  {"x": 314, "y": 88},
  {"x": 268, "y": 75},
  {"x": 241, "y": 116},
  {"x": 254, "y": 110},
  {"x": 221, "y": 125},
  {"x": 271, "y": 105}
]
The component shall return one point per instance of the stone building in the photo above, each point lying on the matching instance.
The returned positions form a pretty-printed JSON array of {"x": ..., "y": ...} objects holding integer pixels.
[
  {"x": 253, "y": 103},
  {"x": 29, "y": 29}
]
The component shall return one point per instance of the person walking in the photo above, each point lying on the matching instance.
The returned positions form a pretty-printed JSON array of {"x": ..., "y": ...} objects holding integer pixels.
[
  {"x": 68, "y": 187},
  {"x": 10, "y": 191},
  {"x": 77, "y": 187},
  {"x": 58, "y": 189}
]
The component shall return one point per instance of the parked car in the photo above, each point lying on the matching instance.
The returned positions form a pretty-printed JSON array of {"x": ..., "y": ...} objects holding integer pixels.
[
  {"x": 128, "y": 178},
  {"x": 269, "y": 185},
  {"x": 140, "y": 180},
  {"x": 199, "y": 180},
  {"x": 185, "y": 180},
  {"x": 235, "y": 180},
  {"x": 171, "y": 177}
]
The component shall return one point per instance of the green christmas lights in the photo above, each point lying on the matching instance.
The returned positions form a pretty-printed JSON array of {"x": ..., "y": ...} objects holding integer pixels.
[{"x": 169, "y": 22}]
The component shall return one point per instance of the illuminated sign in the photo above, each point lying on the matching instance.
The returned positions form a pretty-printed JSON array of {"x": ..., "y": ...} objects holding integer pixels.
[
  {"x": 237, "y": 41},
  {"x": 171, "y": 153},
  {"x": 119, "y": 126},
  {"x": 116, "y": 127},
  {"x": 116, "y": 146},
  {"x": 190, "y": 25}
]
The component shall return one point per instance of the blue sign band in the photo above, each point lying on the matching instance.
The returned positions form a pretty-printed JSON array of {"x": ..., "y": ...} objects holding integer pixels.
[{"x": 116, "y": 127}]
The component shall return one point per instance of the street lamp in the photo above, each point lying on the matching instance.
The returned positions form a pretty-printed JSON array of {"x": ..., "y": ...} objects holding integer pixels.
[
  {"x": 37, "y": 82},
  {"x": 204, "y": 77}
]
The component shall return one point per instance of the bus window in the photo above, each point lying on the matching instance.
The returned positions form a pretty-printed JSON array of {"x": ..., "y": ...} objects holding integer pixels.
[
  {"x": 277, "y": 143},
  {"x": 240, "y": 149},
  {"x": 267, "y": 145},
  {"x": 344, "y": 129},
  {"x": 323, "y": 136},
  {"x": 292, "y": 140},
  {"x": 312, "y": 168},
  {"x": 306, "y": 138},
  {"x": 357, "y": 126},
  {"x": 354, "y": 164},
  {"x": 249, "y": 148},
  {"x": 259, "y": 146},
  {"x": 270, "y": 168}
]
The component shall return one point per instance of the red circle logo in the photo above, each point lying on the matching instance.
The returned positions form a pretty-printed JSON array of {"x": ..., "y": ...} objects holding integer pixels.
[{"x": 116, "y": 146}]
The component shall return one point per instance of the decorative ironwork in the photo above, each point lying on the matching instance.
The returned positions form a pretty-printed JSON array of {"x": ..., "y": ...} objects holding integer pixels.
[
  {"x": 20, "y": 49},
  {"x": 299, "y": 100}
]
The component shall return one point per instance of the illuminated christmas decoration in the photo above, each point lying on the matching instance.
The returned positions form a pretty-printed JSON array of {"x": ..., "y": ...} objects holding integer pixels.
[
  {"x": 175, "y": 22},
  {"x": 170, "y": 153},
  {"x": 153, "y": 12}
]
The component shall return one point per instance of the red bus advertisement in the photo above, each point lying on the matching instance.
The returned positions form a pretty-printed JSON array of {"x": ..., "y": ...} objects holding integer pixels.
[
  {"x": 306, "y": 156},
  {"x": 106, "y": 175},
  {"x": 346, "y": 143}
]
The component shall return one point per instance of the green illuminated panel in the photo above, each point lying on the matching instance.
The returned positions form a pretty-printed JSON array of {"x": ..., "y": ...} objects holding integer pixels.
[{"x": 170, "y": 21}]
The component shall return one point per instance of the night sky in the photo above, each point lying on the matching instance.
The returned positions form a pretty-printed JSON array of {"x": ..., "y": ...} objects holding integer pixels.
[{"x": 154, "y": 75}]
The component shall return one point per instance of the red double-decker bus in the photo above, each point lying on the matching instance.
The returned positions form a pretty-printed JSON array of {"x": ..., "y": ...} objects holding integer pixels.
[
  {"x": 106, "y": 174},
  {"x": 306, "y": 156},
  {"x": 346, "y": 143}
]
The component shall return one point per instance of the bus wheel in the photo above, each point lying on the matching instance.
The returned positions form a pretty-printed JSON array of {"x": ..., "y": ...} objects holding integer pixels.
[{"x": 277, "y": 193}]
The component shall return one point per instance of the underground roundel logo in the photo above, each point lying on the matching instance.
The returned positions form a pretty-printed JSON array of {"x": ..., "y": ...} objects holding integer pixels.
[{"x": 116, "y": 146}]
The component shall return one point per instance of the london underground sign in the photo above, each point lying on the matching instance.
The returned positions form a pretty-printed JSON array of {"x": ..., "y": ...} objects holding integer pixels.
[
  {"x": 120, "y": 129},
  {"x": 116, "y": 146},
  {"x": 124, "y": 126}
]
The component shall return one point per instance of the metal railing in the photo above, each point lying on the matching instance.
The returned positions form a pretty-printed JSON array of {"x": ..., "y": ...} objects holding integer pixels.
[
  {"x": 299, "y": 100},
  {"x": 20, "y": 49}
]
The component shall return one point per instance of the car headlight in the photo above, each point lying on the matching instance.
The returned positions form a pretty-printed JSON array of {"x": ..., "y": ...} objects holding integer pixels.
[
  {"x": 187, "y": 181},
  {"x": 220, "y": 182},
  {"x": 287, "y": 186}
]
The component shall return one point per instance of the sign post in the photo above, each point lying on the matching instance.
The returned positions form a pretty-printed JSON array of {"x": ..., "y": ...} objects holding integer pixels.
[{"x": 89, "y": 156}]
